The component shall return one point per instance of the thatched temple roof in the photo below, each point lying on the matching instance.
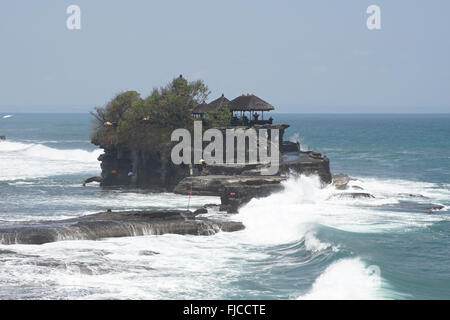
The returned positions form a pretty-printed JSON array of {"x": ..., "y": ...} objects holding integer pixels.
[
  {"x": 219, "y": 103},
  {"x": 215, "y": 105},
  {"x": 250, "y": 102},
  {"x": 201, "y": 108}
]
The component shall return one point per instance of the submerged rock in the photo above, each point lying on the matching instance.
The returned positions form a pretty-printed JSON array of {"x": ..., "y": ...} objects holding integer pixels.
[
  {"x": 147, "y": 253},
  {"x": 412, "y": 206},
  {"x": 435, "y": 207},
  {"x": 211, "y": 205},
  {"x": 115, "y": 224},
  {"x": 6, "y": 252},
  {"x": 201, "y": 211},
  {"x": 92, "y": 179},
  {"x": 340, "y": 180},
  {"x": 412, "y": 195},
  {"x": 352, "y": 195}
]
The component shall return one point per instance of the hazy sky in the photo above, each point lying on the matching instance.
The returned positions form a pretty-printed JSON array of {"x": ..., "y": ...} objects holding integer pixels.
[{"x": 301, "y": 56}]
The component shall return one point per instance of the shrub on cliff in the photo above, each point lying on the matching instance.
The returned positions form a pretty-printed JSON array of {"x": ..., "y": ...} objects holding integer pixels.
[
  {"x": 108, "y": 117},
  {"x": 133, "y": 122},
  {"x": 219, "y": 118}
]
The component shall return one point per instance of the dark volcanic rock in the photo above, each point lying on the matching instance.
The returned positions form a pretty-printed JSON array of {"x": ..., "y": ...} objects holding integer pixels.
[
  {"x": 234, "y": 197},
  {"x": 412, "y": 195},
  {"x": 210, "y": 205},
  {"x": 6, "y": 252},
  {"x": 125, "y": 166},
  {"x": 240, "y": 183},
  {"x": 234, "y": 191},
  {"x": 289, "y": 146},
  {"x": 412, "y": 206},
  {"x": 214, "y": 185},
  {"x": 147, "y": 253},
  {"x": 435, "y": 207},
  {"x": 92, "y": 179},
  {"x": 307, "y": 163},
  {"x": 231, "y": 169},
  {"x": 137, "y": 168},
  {"x": 201, "y": 211},
  {"x": 115, "y": 224},
  {"x": 236, "y": 184},
  {"x": 153, "y": 169}
]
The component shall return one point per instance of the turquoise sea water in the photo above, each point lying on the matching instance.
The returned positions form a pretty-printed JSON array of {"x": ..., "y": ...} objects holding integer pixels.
[{"x": 299, "y": 244}]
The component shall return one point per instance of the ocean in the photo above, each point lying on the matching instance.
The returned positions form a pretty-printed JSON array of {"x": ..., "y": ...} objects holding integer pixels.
[{"x": 301, "y": 243}]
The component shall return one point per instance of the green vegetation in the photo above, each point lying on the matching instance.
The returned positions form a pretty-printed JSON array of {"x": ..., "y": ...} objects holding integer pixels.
[
  {"x": 131, "y": 121},
  {"x": 219, "y": 118}
]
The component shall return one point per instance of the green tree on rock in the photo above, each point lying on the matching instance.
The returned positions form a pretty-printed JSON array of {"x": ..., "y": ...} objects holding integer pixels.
[
  {"x": 218, "y": 118},
  {"x": 146, "y": 124}
]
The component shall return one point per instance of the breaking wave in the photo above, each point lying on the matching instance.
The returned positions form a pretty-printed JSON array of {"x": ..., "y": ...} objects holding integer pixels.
[
  {"x": 303, "y": 205},
  {"x": 304, "y": 208},
  {"x": 292, "y": 232},
  {"x": 347, "y": 279},
  {"x": 33, "y": 160}
]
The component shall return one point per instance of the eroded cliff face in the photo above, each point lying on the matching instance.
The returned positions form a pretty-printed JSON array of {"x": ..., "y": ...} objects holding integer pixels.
[
  {"x": 122, "y": 166},
  {"x": 138, "y": 168}
]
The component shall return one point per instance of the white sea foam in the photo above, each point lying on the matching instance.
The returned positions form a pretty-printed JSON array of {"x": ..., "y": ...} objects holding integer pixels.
[
  {"x": 347, "y": 279},
  {"x": 189, "y": 267},
  {"x": 288, "y": 215},
  {"x": 295, "y": 212},
  {"x": 312, "y": 243},
  {"x": 395, "y": 187},
  {"x": 25, "y": 161},
  {"x": 297, "y": 138}
]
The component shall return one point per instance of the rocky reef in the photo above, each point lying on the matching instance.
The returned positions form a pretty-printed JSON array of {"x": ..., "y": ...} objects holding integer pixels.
[{"x": 115, "y": 224}]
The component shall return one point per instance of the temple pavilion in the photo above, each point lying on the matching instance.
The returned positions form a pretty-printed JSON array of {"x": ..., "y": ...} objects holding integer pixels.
[{"x": 246, "y": 109}]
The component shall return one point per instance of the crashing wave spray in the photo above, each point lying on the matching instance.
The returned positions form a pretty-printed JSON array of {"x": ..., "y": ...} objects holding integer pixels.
[
  {"x": 296, "y": 214},
  {"x": 28, "y": 160},
  {"x": 285, "y": 216},
  {"x": 347, "y": 279}
]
